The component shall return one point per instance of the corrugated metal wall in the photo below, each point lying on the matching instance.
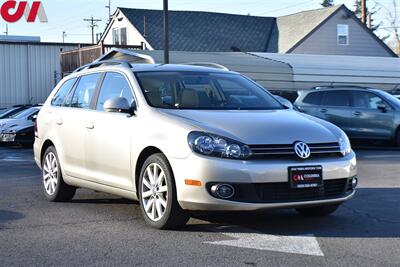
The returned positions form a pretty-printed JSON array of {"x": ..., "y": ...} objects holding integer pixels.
[
  {"x": 28, "y": 72},
  {"x": 270, "y": 73},
  {"x": 323, "y": 70}
]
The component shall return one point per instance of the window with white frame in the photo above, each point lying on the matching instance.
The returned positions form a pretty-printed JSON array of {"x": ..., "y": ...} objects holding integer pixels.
[
  {"x": 343, "y": 34},
  {"x": 119, "y": 36}
]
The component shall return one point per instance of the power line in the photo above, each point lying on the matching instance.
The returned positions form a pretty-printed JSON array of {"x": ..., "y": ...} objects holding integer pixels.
[
  {"x": 287, "y": 7},
  {"x": 92, "y": 24}
]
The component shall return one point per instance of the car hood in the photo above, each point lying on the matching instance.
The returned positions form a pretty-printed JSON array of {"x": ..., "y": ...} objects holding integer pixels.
[
  {"x": 12, "y": 123},
  {"x": 259, "y": 127}
]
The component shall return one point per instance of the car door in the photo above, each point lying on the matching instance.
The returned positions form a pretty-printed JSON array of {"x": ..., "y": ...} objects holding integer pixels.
[
  {"x": 69, "y": 122},
  {"x": 370, "y": 119},
  {"x": 108, "y": 141},
  {"x": 336, "y": 107}
]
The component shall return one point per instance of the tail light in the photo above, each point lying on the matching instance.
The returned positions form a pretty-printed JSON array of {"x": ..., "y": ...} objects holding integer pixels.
[{"x": 36, "y": 129}]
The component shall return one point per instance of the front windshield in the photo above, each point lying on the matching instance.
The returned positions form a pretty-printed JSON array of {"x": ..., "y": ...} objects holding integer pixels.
[
  {"x": 205, "y": 91},
  {"x": 24, "y": 113}
]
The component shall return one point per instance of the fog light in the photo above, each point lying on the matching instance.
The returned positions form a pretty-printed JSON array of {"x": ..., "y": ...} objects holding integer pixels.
[
  {"x": 354, "y": 183},
  {"x": 223, "y": 190}
]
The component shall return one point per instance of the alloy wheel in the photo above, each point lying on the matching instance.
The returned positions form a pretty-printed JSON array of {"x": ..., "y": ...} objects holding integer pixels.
[
  {"x": 50, "y": 173},
  {"x": 154, "y": 192}
]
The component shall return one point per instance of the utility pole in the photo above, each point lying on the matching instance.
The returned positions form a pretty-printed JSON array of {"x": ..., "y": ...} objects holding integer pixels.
[
  {"x": 64, "y": 34},
  {"x": 166, "y": 33},
  {"x": 6, "y": 32},
  {"x": 364, "y": 11},
  {"x": 92, "y": 24},
  {"x": 109, "y": 9}
]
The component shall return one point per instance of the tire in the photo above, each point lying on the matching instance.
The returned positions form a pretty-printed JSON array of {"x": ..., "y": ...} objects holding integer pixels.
[
  {"x": 158, "y": 201},
  {"x": 54, "y": 187},
  {"x": 398, "y": 137},
  {"x": 318, "y": 211}
]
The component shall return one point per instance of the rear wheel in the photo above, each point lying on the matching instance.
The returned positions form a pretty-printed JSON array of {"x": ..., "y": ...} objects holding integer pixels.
[
  {"x": 318, "y": 211},
  {"x": 157, "y": 193},
  {"x": 398, "y": 137},
  {"x": 54, "y": 187}
]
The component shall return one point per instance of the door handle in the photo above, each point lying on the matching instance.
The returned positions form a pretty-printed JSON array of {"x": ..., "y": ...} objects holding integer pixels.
[
  {"x": 89, "y": 125},
  {"x": 59, "y": 121},
  {"x": 357, "y": 113},
  {"x": 324, "y": 110}
]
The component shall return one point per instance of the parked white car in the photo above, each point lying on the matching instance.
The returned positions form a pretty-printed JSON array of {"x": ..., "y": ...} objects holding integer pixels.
[{"x": 183, "y": 138}]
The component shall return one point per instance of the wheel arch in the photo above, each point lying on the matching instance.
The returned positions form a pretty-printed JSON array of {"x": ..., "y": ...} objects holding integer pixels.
[
  {"x": 48, "y": 143},
  {"x": 146, "y": 152}
]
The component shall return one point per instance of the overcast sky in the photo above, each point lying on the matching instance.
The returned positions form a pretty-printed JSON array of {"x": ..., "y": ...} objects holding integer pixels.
[{"x": 68, "y": 15}]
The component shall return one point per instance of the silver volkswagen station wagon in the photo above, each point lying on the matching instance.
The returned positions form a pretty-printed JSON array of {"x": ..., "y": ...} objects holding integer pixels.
[{"x": 182, "y": 138}]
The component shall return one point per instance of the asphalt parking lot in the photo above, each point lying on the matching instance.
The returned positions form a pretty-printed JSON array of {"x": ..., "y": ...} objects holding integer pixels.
[{"x": 97, "y": 229}]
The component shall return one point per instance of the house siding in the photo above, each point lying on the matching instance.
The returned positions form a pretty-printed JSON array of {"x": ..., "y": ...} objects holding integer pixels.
[{"x": 324, "y": 40}]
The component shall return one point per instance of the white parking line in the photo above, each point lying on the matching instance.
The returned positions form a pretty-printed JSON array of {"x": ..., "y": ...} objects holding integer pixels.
[
  {"x": 246, "y": 238},
  {"x": 16, "y": 159}
]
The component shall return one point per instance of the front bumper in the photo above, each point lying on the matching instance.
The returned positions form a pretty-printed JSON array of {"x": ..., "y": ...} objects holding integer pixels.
[
  {"x": 208, "y": 170},
  {"x": 7, "y": 137}
]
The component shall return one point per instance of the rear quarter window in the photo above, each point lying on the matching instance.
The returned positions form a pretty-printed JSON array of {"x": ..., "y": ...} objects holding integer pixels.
[
  {"x": 314, "y": 98},
  {"x": 61, "y": 94}
]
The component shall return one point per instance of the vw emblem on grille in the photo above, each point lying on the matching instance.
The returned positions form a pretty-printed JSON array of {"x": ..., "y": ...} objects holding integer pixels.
[{"x": 302, "y": 150}]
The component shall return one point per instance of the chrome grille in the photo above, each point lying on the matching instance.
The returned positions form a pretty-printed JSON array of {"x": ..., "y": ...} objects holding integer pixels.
[{"x": 272, "y": 151}]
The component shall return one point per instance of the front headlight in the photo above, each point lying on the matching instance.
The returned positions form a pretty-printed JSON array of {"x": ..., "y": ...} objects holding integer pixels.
[
  {"x": 217, "y": 146},
  {"x": 345, "y": 146}
]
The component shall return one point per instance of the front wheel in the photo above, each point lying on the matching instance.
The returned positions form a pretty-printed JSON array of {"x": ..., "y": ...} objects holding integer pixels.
[
  {"x": 54, "y": 187},
  {"x": 318, "y": 211},
  {"x": 157, "y": 193}
]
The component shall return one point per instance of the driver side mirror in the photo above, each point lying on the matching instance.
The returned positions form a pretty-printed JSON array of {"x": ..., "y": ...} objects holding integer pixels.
[
  {"x": 383, "y": 108},
  {"x": 119, "y": 105}
]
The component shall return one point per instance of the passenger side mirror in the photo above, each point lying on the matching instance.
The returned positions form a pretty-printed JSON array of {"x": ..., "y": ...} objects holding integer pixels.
[
  {"x": 119, "y": 105},
  {"x": 383, "y": 108},
  {"x": 33, "y": 118},
  {"x": 284, "y": 102}
]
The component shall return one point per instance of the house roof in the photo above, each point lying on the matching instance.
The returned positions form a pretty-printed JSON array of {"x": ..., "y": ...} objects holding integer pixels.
[
  {"x": 293, "y": 28},
  {"x": 203, "y": 31},
  {"x": 219, "y": 32}
]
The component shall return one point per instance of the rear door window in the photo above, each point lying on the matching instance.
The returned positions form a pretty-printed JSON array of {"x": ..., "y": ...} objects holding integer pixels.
[
  {"x": 337, "y": 98},
  {"x": 83, "y": 94},
  {"x": 61, "y": 94},
  {"x": 114, "y": 85},
  {"x": 314, "y": 98}
]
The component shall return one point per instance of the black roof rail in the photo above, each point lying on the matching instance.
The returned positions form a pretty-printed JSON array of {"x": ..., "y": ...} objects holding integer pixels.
[{"x": 104, "y": 62}]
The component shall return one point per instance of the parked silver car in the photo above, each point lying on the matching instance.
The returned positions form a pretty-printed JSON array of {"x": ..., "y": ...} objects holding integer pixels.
[
  {"x": 184, "y": 138},
  {"x": 363, "y": 113}
]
